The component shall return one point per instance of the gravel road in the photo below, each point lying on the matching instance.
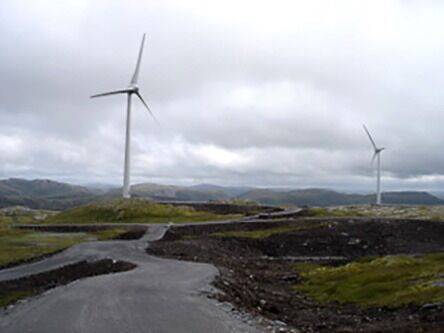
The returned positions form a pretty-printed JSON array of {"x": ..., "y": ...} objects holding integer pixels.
[{"x": 160, "y": 295}]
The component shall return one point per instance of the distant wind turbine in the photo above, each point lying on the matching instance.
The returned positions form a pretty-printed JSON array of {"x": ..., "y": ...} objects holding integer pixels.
[
  {"x": 133, "y": 88},
  {"x": 377, "y": 155}
]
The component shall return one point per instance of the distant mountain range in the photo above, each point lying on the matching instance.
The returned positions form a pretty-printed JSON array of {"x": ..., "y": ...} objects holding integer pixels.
[
  {"x": 48, "y": 194},
  {"x": 43, "y": 194},
  {"x": 321, "y": 197}
]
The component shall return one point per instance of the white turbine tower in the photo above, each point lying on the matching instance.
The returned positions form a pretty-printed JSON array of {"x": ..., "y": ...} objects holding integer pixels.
[
  {"x": 133, "y": 88},
  {"x": 377, "y": 155}
]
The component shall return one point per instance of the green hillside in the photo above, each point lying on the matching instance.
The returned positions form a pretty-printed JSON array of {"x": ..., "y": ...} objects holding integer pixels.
[
  {"x": 134, "y": 211},
  {"x": 43, "y": 194}
]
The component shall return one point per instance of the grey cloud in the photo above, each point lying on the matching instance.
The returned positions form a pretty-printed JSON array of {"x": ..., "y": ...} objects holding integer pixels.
[{"x": 281, "y": 100}]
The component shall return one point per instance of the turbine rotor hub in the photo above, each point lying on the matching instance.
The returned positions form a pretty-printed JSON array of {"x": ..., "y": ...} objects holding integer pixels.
[{"x": 134, "y": 87}]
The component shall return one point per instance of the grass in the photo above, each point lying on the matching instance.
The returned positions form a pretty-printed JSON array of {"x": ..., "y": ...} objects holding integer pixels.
[
  {"x": 107, "y": 234},
  {"x": 17, "y": 245},
  {"x": 134, "y": 211},
  {"x": 433, "y": 213},
  {"x": 13, "y": 297},
  {"x": 21, "y": 215},
  {"x": 264, "y": 233},
  {"x": 391, "y": 281}
]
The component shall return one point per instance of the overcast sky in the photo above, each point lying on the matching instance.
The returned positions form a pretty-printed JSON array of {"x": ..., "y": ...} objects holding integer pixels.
[{"x": 265, "y": 93}]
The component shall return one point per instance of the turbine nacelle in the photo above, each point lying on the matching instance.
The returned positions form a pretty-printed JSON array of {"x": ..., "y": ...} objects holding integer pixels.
[{"x": 378, "y": 150}]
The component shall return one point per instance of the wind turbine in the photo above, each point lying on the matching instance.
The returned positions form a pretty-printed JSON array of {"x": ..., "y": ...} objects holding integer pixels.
[
  {"x": 132, "y": 89},
  {"x": 377, "y": 155}
]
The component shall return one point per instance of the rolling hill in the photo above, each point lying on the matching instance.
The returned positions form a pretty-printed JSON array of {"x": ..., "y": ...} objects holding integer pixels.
[
  {"x": 43, "y": 194},
  {"x": 48, "y": 194},
  {"x": 322, "y": 197},
  {"x": 159, "y": 192}
]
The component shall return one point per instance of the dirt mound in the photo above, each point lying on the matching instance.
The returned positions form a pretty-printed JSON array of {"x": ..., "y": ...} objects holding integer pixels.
[
  {"x": 357, "y": 238},
  {"x": 350, "y": 238}
]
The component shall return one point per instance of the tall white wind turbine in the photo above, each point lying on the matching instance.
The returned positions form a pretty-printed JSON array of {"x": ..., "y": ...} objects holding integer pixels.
[
  {"x": 377, "y": 155},
  {"x": 133, "y": 89}
]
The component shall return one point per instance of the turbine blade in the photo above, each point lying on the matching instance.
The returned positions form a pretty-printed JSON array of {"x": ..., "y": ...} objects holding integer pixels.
[
  {"x": 146, "y": 105},
  {"x": 115, "y": 92},
  {"x": 370, "y": 137},
  {"x": 139, "y": 60},
  {"x": 374, "y": 157}
]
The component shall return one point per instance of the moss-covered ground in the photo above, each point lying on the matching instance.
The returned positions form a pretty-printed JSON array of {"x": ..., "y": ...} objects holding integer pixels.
[
  {"x": 390, "y": 281},
  {"x": 22, "y": 215}
]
